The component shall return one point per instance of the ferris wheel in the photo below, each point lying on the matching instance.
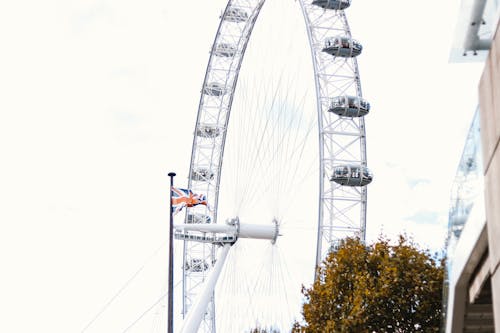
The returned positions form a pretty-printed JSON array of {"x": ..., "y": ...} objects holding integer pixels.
[{"x": 340, "y": 164}]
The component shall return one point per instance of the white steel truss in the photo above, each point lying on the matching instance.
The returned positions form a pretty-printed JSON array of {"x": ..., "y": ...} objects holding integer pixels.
[
  {"x": 237, "y": 22},
  {"x": 342, "y": 141}
]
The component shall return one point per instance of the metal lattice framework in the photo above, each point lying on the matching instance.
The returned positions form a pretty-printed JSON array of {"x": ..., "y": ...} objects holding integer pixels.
[
  {"x": 342, "y": 208},
  {"x": 342, "y": 140}
]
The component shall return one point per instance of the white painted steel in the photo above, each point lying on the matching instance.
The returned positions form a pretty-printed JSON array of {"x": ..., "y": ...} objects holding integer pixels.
[
  {"x": 208, "y": 150},
  {"x": 342, "y": 140},
  {"x": 195, "y": 316},
  {"x": 214, "y": 228},
  {"x": 255, "y": 231}
]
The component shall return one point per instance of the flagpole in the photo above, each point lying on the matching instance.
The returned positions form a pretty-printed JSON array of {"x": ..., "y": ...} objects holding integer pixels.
[{"x": 171, "y": 262}]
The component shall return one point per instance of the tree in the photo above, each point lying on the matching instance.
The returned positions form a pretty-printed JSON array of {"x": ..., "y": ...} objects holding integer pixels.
[{"x": 379, "y": 288}]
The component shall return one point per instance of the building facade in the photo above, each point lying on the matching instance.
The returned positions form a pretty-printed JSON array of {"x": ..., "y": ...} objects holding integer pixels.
[{"x": 473, "y": 278}]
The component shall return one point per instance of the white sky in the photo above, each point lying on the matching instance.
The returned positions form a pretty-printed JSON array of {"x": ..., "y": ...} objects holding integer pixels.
[{"x": 98, "y": 102}]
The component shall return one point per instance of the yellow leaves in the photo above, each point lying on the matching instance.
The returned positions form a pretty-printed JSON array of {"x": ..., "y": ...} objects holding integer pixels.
[{"x": 377, "y": 288}]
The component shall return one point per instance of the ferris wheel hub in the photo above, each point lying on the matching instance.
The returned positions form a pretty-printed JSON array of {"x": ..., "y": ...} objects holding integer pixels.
[{"x": 226, "y": 233}]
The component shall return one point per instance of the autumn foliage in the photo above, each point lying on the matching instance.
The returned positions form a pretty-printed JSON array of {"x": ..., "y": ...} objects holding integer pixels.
[{"x": 379, "y": 288}]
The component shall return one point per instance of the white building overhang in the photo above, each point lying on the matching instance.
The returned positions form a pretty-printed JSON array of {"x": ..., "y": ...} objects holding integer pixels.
[
  {"x": 469, "y": 251},
  {"x": 474, "y": 29}
]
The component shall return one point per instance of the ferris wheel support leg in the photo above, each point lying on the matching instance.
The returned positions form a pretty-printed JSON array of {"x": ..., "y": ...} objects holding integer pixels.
[{"x": 197, "y": 312}]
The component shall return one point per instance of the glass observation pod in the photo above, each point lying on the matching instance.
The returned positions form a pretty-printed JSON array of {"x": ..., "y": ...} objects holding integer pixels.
[
  {"x": 332, "y": 4},
  {"x": 234, "y": 14},
  {"x": 196, "y": 265},
  {"x": 352, "y": 175},
  {"x": 225, "y": 50},
  {"x": 202, "y": 174},
  {"x": 340, "y": 46},
  {"x": 214, "y": 89},
  {"x": 197, "y": 218},
  {"x": 208, "y": 131},
  {"x": 335, "y": 245},
  {"x": 349, "y": 106},
  {"x": 457, "y": 223}
]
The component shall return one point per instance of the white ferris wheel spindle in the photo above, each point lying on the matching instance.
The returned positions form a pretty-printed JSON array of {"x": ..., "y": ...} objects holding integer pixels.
[{"x": 234, "y": 228}]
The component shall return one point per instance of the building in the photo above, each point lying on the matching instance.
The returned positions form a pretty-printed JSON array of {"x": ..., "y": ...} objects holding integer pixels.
[{"x": 472, "y": 296}]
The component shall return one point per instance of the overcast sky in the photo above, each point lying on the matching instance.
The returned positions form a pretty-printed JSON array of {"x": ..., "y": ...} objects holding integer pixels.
[{"x": 98, "y": 102}]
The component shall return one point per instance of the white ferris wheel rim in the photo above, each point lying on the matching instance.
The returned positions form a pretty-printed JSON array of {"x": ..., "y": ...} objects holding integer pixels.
[{"x": 206, "y": 159}]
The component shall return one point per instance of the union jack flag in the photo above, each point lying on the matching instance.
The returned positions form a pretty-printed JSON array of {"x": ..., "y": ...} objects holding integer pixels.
[{"x": 186, "y": 198}]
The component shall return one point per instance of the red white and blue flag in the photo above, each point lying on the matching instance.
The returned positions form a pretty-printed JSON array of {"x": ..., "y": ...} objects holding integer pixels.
[{"x": 186, "y": 198}]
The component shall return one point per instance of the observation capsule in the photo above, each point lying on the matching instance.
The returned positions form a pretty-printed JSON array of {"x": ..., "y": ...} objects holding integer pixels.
[
  {"x": 225, "y": 50},
  {"x": 234, "y": 14},
  {"x": 456, "y": 230},
  {"x": 458, "y": 219},
  {"x": 341, "y": 46},
  {"x": 349, "y": 106},
  {"x": 196, "y": 265},
  {"x": 332, "y": 4},
  {"x": 196, "y": 218},
  {"x": 335, "y": 245},
  {"x": 202, "y": 174},
  {"x": 208, "y": 131},
  {"x": 214, "y": 89},
  {"x": 351, "y": 175}
]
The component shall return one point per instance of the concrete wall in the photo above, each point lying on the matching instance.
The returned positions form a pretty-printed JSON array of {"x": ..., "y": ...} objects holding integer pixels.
[{"x": 489, "y": 102}]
